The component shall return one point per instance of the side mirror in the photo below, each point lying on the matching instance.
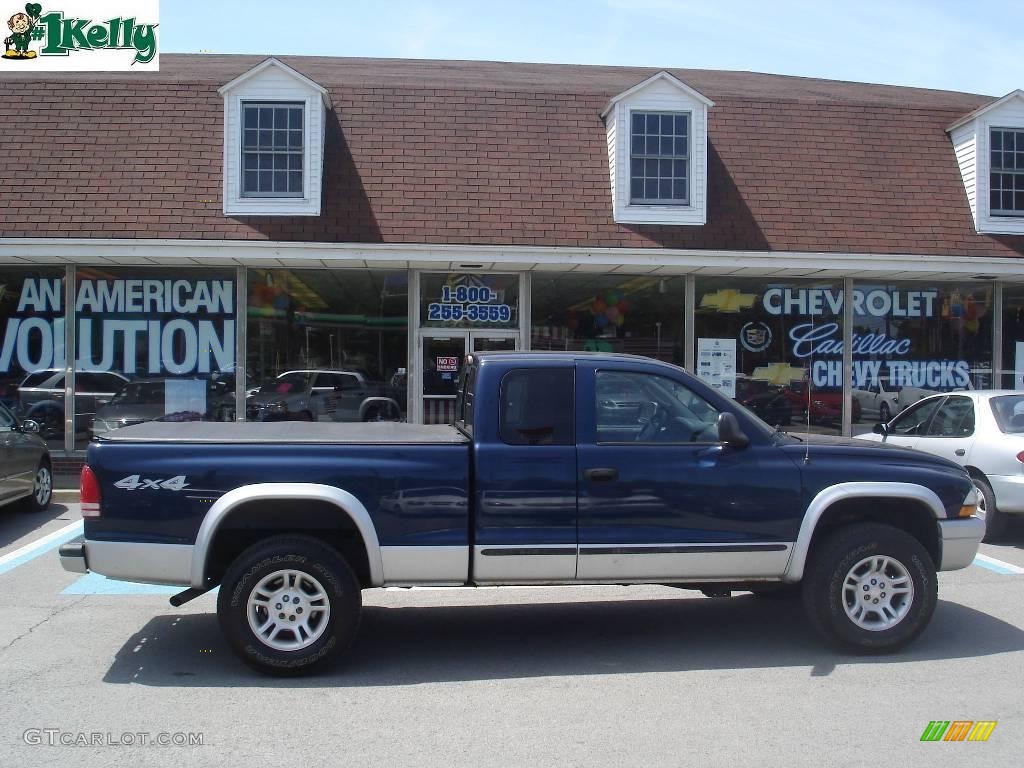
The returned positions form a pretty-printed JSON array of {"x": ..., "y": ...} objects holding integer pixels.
[
  {"x": 729, "y": 431},
  {"x": 30, "y": 427},
  {"x": 881, "y": 428}
]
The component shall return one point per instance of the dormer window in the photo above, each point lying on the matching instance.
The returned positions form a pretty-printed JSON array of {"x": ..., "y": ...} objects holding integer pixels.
[
  {"x": 989, "y": 146},
  {"x": 657, "y": 153},
  {"x": 272, "y": 149},
  {"x": 274, "y": 127},
  {"x": 659, "y": 158},
  {"x": 1006, "y": 186}
]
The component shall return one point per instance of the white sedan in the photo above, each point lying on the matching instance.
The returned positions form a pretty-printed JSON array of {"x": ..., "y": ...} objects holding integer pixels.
[{"x": 982, "y": 431}]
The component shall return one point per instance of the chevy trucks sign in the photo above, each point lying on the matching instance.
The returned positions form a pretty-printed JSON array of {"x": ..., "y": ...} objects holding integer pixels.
[
  {"x": 81, "y": 35},
  {"x": 135, "y": 327}
]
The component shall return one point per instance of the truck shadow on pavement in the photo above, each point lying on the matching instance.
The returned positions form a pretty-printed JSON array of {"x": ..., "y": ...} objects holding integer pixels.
[{"x": 413, "y": 645}]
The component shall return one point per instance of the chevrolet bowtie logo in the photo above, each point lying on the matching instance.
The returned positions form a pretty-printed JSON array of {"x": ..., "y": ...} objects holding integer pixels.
[
  {"x": 778, "y": 374},
  {"x": 727, "y": 300}
]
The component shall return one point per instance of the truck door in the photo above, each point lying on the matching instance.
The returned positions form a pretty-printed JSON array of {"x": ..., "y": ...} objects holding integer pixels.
[
  {"x": 525, "y": 474},
  {"x": 661, "y": 498}
]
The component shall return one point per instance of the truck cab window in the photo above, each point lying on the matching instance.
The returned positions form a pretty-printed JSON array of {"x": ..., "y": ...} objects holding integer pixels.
[
  {"x": 637, "y": 407},
  {"x": 537, "y": 407}
]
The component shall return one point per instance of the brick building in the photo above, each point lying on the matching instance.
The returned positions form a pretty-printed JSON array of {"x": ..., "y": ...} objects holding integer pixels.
[{"x": 172, "y": 241}]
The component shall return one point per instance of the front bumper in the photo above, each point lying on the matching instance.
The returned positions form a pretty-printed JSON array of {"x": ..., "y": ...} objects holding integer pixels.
[
  {"x": 72, "y": 556},
  {"x": 960, "y": 538}
]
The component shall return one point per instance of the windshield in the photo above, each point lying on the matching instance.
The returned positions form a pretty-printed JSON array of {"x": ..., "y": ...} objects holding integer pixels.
[
  {"x": 140, "y": 393},
  {"x": 288, "y": 382},
  {"x": 1009, "y": 413}
]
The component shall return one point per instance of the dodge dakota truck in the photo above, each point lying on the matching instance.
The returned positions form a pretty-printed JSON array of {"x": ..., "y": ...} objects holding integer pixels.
[{"x": 560, "y": 468}]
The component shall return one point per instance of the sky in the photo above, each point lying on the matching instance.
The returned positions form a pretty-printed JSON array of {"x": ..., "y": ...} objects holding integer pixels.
[{"x": 975, "y": 46}]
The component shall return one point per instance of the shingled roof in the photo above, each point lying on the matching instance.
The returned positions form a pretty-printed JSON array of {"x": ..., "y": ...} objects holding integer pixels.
[{"x": 491, "y": 153}]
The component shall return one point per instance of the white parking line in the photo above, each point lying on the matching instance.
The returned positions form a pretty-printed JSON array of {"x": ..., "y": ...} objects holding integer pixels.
[
  {"x": 999, "y": 566},
  {"x": 35, "y": 548}
]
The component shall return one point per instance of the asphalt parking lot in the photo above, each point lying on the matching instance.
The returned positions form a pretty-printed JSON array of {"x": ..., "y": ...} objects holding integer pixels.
[{"x": 498, "y": 677}]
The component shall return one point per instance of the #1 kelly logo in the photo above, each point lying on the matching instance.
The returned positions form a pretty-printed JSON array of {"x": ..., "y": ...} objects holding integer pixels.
[{"x": 103, "y": 35}]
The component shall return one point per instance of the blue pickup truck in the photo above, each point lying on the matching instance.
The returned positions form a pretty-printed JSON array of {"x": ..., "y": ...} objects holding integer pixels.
[{"x": 561, "y": 468}]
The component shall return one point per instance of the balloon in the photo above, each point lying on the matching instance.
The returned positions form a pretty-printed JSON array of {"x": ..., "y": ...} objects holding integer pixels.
[
  {"x": 600, "y": 321},
  {"x": 598, "y": 307},
  {"x": 623, "y": 305},
  {"x": 620, "y": 320},
  {"x": 612, "y": 313},
  {"x": 613, "y": 296},
  {"x": 281, "y": 301}
]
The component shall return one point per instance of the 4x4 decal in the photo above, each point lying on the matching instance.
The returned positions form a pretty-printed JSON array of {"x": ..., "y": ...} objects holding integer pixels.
[{"x": 135, "y": 482}]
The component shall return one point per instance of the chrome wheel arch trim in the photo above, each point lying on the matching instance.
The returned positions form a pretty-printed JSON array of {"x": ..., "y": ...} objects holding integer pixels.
[
  {"x": 841, "y": 491},
  {"x": 343, "y": 500}
]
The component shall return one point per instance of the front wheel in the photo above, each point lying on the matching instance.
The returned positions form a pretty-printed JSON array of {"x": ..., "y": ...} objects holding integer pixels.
[
  {"x": 870, "y": 588},
  {"x": 289, "y": 605}
]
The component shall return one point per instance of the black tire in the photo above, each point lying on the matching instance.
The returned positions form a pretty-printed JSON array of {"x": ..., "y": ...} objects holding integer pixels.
[
  {"x": 825, "y": 598},
  {"x": 322, "y": 566},
  {"x": 42, "y": 488},
  {"x": 883, "y": 413},
  {"x": 996, "y": 522}
]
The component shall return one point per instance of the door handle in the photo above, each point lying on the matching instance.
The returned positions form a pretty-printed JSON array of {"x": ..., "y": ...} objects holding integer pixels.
[
  {"x": 601, "y": 474},
  {"x": 960, "y": 452}
]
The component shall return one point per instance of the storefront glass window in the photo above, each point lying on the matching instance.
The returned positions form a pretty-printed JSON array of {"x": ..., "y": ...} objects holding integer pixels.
[
  {"x": 1012, "y": 374},
  {"x": 776, "y": 347},
  {"x": 32, "y": 357},
  {"x": 913, "y": 339},
  {"x": 152, "y": 344},
  {"x": 608, "y": 313},
  {"x": 327, "y": 345}
]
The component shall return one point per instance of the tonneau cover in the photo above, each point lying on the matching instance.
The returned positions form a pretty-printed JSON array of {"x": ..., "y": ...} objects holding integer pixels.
[{"x": 287, "y": 432}]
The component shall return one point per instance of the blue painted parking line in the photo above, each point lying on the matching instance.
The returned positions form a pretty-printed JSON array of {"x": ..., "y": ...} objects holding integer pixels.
[
  {"x": 998, "y": 566},
  {"x": 34, "y": 549},
  {"x": 94, "y": 584}
]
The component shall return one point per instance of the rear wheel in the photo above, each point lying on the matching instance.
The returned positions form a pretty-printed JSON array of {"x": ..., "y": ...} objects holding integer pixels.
[
  {"x": 42, "y": 488},
  {"x": 870, "y": 588},
  {"x": 995, "y": 521},
  {"x": 289, "y": 605}
]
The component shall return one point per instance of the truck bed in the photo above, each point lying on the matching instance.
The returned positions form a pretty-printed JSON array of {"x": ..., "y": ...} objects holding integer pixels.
[{"x": 293, "y": 432}]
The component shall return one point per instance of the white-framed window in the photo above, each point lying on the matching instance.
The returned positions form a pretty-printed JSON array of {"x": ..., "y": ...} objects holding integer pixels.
[
  {"x": 657, "y": 153},
  {"x": 659, "y": 158},
  {"x": 274, "y": 127},
  {"x": 989, "y": 147},
  {"x": 273, "y": 148},
  {"x": 1006, "y": 171}
]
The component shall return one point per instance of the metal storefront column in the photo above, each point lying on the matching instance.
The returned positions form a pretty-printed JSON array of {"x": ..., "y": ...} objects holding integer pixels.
[
  {"x": 241, "y": 338},
  {"x": 70, "y": 328},
  {"x": 847, "y": 356},
  {"x": 997, "y": 339},
  {"x": 689, "y": 323}
]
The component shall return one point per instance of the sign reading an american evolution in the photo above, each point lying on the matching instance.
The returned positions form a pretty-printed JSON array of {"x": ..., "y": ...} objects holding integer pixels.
[{"x": 136, "y": 327}]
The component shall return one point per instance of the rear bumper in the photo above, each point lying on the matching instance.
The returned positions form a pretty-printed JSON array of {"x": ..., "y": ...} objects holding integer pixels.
[
  {"x": 959, "y": 539},
  {"x": 1009, "y": 491},
  {"x": 72, "y": 556},
  {"x": 129, "y": 561}
]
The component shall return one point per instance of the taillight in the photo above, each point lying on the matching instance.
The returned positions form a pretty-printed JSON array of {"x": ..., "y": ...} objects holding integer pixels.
[
  {"x": 1020, "y": 457},
  {"x": 89, "y": 488}
]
